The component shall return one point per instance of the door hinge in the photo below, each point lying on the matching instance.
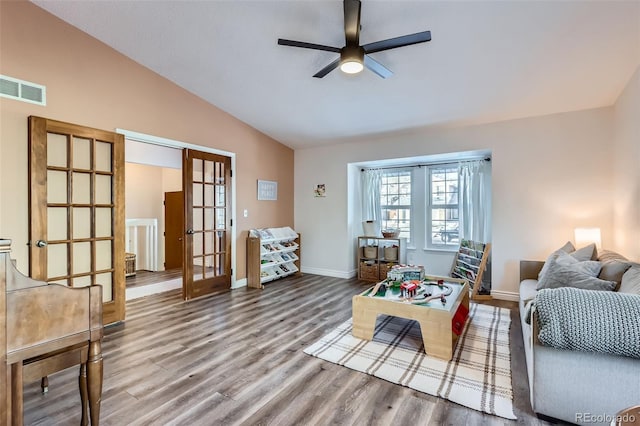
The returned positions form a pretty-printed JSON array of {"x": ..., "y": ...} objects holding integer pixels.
[
  {"x": 231, "y": 271},
  {"x": 230, "y": 173},
  {"x": 231, "y": 222}
]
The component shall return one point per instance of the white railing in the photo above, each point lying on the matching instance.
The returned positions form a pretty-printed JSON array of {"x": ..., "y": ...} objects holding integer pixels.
[{"x": 141, "y": 238}]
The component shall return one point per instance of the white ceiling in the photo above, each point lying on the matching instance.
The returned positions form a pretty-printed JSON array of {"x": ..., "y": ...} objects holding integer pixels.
[{"x": 487, "y": 61}]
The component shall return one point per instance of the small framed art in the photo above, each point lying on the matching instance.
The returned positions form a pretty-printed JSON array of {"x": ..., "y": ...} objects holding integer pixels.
[{"x": 267, "y": 190}]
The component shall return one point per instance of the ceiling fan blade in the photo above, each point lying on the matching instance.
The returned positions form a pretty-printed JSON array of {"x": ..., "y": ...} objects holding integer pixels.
[
  {"x": 377, "y": 67},
  {"x": 392, "y": 43},
  {"x": 326, "y": 70},
  {"x": 285, "y": 42},
  {"x": 352, "y": 22}
]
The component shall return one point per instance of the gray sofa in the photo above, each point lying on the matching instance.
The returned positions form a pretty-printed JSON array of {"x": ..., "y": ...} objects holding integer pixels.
[{"x": 576, "y": 386}]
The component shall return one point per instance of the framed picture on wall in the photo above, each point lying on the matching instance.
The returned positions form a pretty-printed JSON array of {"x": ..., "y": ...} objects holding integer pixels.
[{"x": 267, "y": 190}]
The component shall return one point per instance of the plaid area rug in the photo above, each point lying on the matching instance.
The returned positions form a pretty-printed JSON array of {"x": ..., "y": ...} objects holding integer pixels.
[{"x": 478, "y": 376}]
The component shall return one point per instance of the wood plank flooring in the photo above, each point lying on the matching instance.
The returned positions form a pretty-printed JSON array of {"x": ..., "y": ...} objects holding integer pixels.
[
  {"x": 236, "y": 358},
  {"x": 142, "y": 278}
]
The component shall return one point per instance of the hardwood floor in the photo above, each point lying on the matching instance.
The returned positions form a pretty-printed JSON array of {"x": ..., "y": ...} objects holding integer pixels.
[
  {"x": 236, "y": 358},
  {"x": 142, "y": 278}
]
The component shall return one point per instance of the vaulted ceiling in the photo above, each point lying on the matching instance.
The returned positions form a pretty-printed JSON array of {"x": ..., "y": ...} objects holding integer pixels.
[{"x": 487, "y": 61}]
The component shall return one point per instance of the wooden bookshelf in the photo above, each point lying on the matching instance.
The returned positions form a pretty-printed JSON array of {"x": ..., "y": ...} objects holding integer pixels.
[
  {"x": 469, "y": 264},
  {"x": 269, "y": 259}
]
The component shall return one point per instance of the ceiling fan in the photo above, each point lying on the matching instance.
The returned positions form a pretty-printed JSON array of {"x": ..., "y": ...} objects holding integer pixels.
[{"x": 353, "y": 57}]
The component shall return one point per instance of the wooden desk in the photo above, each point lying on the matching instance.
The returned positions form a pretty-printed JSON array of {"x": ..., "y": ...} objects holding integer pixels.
[{"x": 48, "y": 328}]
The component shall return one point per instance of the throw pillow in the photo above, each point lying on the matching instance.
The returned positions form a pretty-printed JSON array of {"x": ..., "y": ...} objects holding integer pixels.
[
  {"x": 576, "y": 274},
  {"x": 567, "y": 248},
  {"x": 631, "y": 281},
  {"x": 586, "y": 253},
  {"x": 613, "y": 270}
]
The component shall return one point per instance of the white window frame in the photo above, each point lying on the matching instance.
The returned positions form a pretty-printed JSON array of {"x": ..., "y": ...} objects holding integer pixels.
[
  {"x": 429, "y": 244},
  {"x": 409, "y": 207}
]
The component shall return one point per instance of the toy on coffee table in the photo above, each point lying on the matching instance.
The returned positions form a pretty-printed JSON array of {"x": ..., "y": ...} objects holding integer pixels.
[
  {"x": 406, "y": 273},
  {"x": 409, "y": 288},
  {"x": 408, "y": 284},
  {"x": 427, "y": 296}
]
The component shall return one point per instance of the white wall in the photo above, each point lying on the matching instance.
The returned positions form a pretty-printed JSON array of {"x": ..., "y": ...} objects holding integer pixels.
[
  {"x": 550, "y": 175},
  {"x": 144, "y": 196},
  {"x": 627, "y": 170}
]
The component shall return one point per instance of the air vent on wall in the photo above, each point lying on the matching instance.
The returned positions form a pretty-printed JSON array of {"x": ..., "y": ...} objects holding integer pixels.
[{"x": 22, "y": 90}]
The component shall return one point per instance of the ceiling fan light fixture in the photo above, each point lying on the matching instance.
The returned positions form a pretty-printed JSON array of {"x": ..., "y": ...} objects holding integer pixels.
[
  {"x": 351, "y": 66},
  {"x": 352, "y": 55},
  {"x": 352, "y": 60}
]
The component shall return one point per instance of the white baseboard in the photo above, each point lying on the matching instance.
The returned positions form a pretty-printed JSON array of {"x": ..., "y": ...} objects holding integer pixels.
[
  {"x": 328, "y": 272},
  {"x": 239, "y": 283},
  {"x": 137, "y": 292},
  {"x": 505, "y": 295}
]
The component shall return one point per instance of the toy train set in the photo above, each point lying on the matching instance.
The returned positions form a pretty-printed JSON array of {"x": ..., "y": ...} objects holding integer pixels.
[{"x": 408, "y": 284}]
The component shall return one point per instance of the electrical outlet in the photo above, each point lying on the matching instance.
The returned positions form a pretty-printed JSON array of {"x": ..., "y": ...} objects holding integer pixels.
[{"x": 245, "y": 213}]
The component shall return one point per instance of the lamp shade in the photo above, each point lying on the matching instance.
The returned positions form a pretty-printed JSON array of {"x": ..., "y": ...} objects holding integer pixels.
[{"x": 586, "y": 236}]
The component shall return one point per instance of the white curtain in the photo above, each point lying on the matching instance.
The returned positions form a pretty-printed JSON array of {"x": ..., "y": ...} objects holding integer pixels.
[
  {"x": 371, "y": 181},
  {"x": 475, "y": 200}
]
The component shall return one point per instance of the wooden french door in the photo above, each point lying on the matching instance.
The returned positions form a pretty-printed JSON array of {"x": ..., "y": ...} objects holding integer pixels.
[
  {"x": 76, "y": 209},
  {"x": 207, "y": 248}
]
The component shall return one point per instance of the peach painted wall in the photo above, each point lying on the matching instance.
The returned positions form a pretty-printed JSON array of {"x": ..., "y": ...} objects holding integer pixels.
[{"x": 90, "y": 84}]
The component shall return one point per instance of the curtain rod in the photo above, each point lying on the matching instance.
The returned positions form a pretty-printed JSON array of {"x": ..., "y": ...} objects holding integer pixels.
[{"x": 436, "y": 163}]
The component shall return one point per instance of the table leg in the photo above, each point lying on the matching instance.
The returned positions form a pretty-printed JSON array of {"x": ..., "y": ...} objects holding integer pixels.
[
  {"x": 437, "y": 337},
  {"x": 94, "y": 381},
  {"x": 16, "y": 394},
  {"x": 364, "y": 320},
  {"x": 84, "y": 399}
]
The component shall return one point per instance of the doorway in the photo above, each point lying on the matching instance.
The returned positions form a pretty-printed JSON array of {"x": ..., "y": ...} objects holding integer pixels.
[
  {"x": 147, "y": 225},
  {"x": 160, "y": 152}
]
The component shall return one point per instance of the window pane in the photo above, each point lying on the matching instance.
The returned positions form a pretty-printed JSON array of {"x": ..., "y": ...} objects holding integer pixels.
[
  {"x": 103, "y": 156},
  {"x": 56, "y": 150},
  {"x": 395, "y": 199},
  {"x": 444, "y": 206},
  {"x": 81, "y": 154},
  {"x": 56, "y": 186},
  {"x": 103, "y": 189},
  {"x": 81, "y": 188}
]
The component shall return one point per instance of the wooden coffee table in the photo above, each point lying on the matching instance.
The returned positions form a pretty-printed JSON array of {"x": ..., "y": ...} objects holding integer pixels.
[{"x": 434, "y": 317}]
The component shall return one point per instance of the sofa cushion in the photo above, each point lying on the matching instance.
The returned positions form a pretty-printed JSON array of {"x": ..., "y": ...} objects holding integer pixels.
[
  {"x": 631, "y": 281},
  {"x": 528, "y": 290},
  {"x": 608, "y": 255},
  {"x": 566, "y": 271}
]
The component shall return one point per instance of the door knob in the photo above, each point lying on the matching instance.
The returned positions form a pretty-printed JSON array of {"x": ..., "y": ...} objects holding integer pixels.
[
  {"x": 189, "y": 231},
  {"x": 41, "y": 243}
]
